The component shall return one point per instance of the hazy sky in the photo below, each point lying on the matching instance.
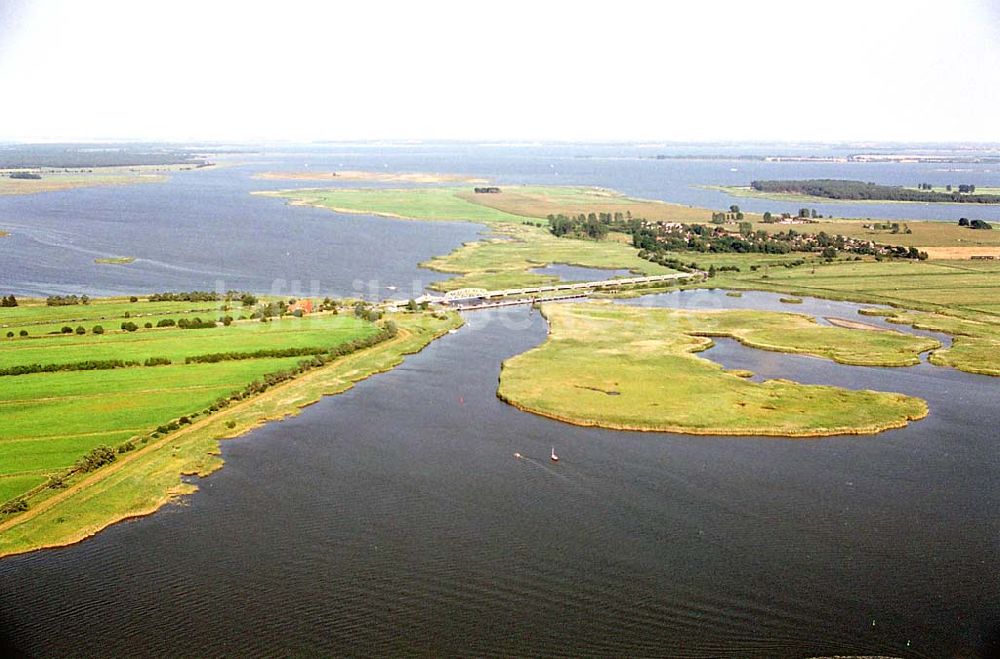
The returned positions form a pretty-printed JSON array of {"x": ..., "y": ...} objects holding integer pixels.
[{"x": 511, "y": 70}]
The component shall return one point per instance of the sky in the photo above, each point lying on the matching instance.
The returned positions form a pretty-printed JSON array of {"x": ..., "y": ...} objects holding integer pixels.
[{"x": 871, "y": 70}]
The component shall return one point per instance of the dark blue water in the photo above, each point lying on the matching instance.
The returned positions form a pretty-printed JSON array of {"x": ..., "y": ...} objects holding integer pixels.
[
  {"x": 203, "y": 229},
  {"x": 394, "y": 520}
]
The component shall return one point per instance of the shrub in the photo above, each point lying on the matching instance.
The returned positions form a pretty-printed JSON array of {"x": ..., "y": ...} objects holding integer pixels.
[
  {"x": 81, "y": 330},
  {"x": 166, "y": 322},
  {"x": 10, "y": 335},
  {"x": 66, "y": 329},
  {"x": 16, "y": 506},
  {"x": 148, "y": 325},
  {"x": 98, "y": 457},
  {"x": 97, "y": 329},
  {"x": 129, "y": 326},
  {"x": 23, "y": 333},
  {"x": 157, "y": 361},
  {"x": 133, "y": 299}
]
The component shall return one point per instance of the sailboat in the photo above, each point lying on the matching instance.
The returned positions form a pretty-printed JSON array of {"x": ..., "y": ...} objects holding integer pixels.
[{"x": 553, "y": 456}]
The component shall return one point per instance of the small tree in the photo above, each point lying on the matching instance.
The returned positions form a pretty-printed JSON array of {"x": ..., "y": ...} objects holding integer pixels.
[
  {"x": 81, "y": 330},
  {"x": 97, "y": 329},
  {"x": 23, "y": 333},
  {"x": 133, "y": 299},
  {"x": 66, "y": 329}
]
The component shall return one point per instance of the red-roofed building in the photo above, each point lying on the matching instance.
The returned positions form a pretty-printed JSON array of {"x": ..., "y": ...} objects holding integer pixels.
[{"x": 305, "y": 306}]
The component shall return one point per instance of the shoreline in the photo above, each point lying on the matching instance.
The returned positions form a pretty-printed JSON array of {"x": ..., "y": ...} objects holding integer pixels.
[
  {"x": 202, "y": 438},
  {"x": 682, "y": 430}
]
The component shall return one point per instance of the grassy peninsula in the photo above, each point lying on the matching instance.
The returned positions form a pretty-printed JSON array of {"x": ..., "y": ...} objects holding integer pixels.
[
  {"x": 521, "y": 242},
  {"x": 632, "y": 368},
  {"x": 148, "y": 475}
]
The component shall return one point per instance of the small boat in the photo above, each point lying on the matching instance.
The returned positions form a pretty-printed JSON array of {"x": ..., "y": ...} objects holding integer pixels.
[
  {"x": 518, "y": 456},
  {"x": 553, "y": 456}
]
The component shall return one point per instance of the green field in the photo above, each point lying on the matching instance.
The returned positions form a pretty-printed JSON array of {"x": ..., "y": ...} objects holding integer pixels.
[
  {"x": 442, "y": 204},
  {"x": 176, "y": 344},
  {"x": 141, "y": 481},
  {"x": 52, "y": 419},
  {"x": 633, "y": 368}
]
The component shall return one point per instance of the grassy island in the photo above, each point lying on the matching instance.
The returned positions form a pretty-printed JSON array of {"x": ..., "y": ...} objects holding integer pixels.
[
  {"x": 115, "y": 260},
  {"x": 632, "y": 368},
  {"x": 54, "y": 181}
]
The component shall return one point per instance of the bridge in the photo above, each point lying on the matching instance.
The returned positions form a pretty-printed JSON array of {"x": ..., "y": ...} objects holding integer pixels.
[{"x": 478, "y": 298}]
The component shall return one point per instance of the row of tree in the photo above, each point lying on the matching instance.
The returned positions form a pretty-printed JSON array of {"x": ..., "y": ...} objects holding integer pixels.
[
  {"x": 974, "y": 224},
  {"x": 89, "y": 365},
  {"x": 859, "y": 190},
  {"x": 66, "y": 300}
]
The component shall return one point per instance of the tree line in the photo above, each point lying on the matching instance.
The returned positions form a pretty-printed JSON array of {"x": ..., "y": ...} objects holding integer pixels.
[{"x": 861, "y": 191}]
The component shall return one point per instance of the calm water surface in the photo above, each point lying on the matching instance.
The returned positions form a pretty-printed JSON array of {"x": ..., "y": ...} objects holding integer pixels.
[
  {"x": 202, "y": 229},
  {"x": 393, "y": 519}
]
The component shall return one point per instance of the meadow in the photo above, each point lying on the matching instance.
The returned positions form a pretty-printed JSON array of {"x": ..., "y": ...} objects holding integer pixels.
[
  {"x": 143, "y": 480},
  {"x": 431, "y": 204},
  {"x": 634, "y": 368},
  {"x": 52, "y": 419}
]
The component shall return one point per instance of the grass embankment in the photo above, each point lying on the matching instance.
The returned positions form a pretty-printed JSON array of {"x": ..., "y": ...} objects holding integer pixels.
[
  {"x": 115, "y": 260},
  {"x": 144, "y": 480},
  {"x": 634, "y": 369},
  {"x": 51, "y": 419}
]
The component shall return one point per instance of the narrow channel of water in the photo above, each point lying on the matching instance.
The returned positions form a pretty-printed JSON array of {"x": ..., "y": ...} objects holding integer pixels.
[{"x": 394, "y": 520}]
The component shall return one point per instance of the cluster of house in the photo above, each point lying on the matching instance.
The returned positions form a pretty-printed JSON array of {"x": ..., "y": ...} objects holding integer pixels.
[{"x": 797, "y": 242}]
